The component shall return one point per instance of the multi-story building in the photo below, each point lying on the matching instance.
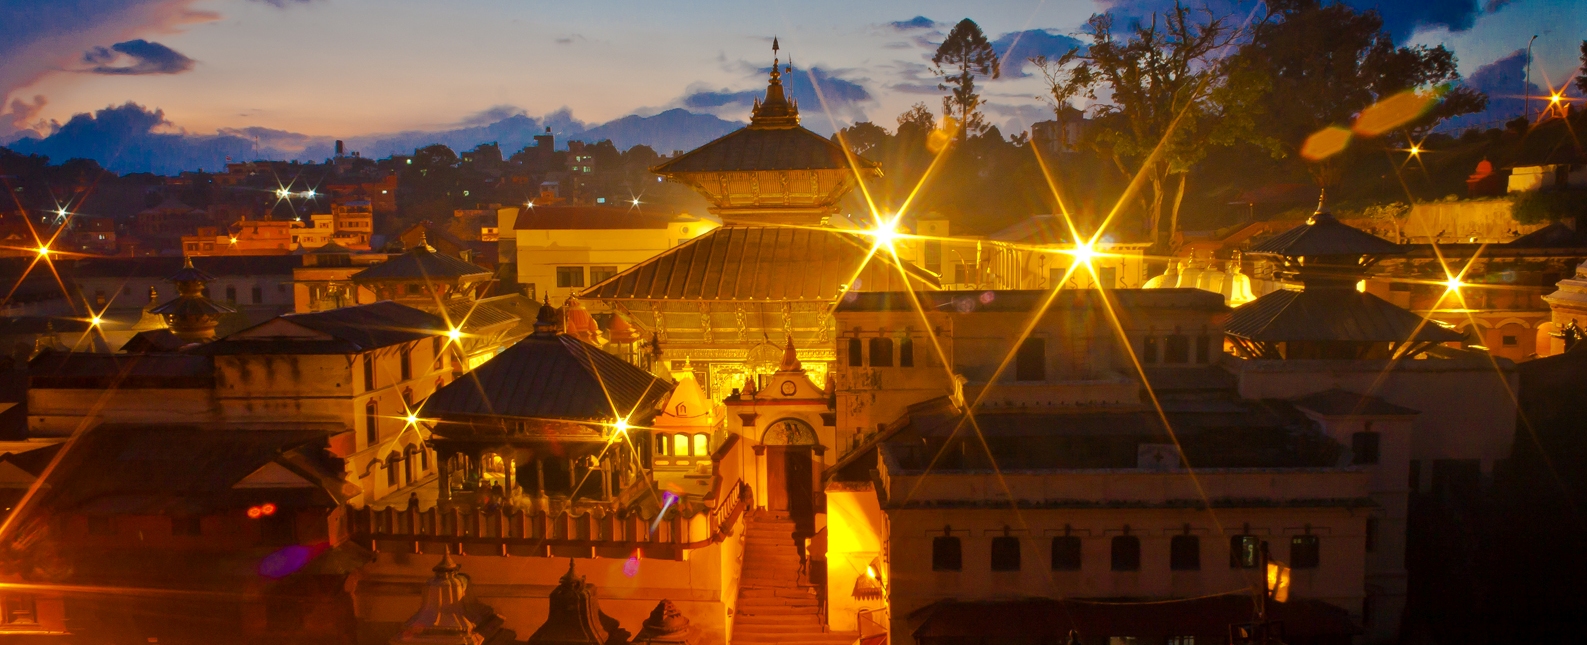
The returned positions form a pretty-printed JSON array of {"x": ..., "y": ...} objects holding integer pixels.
[{"x": 562, "y": 250}]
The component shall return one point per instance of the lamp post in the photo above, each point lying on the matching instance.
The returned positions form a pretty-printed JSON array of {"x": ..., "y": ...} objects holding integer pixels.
[{"x": 1526, "y": 87}]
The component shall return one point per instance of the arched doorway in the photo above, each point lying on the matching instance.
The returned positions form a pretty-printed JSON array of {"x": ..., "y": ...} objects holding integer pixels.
[{"x": 790, "y": 471}]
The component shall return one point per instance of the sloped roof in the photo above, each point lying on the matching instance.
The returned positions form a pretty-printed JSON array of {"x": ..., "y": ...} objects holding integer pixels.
[
  {"x": 478, "y": 314},
  {"x": 750, "y": 263},
  {"x": 749, "y": 149},
  {"x": 1027, "y": 300},
  {"x": 84, "y": 370},
  {"x": 348, "y": 330},
  {"x": 421, "y": 263},
  {"x": 153, "y": 340},
  {"x": 1331, "y": 314},
  {"x": 182, "y": 306},
  {"x": 549, "y": 377},
  {"x": 164, "y": 267},
  {"x": 1322, "y": 234},
  {"x": 131, "y": 469},
  {"x": 1337, "y": 402}
]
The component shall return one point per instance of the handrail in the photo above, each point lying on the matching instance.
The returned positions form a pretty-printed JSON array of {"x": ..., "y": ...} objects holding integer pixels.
[{"x": 726, "y": 515}]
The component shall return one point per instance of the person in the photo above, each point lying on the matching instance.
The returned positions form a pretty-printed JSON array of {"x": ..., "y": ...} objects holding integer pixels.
[
  {"x": 799, "y": 545},
  {"x": 413, "y": 501}
]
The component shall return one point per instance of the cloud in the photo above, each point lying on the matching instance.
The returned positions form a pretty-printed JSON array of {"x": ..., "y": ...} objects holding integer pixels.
[
  {"x": 1401, "y": 18},
  {"x": 125, "y": 138},
  {"x": 1504, "y": 81},
  {"x": 40, "y": 38},
  {"x": 491, "y": 115},
  {"x": 917, "y": 22},
  {"x": 21, "y": 119},
  {"x": 282, "y": 4},
  {"x": 570, "y": 39},
  {"x": 1015, "y": 49},
  {"x": 843, "y": 98},
  {"x": 146, "y": 58}
]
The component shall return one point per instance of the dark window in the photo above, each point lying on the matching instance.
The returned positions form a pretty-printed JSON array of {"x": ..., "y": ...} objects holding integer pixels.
[
  {"x": 19, "y": 609},
  {"x": 1304, "y": 552},
  {"x": 371, "y": 423},
  {"x": 1177, "y": 349},
  {"x": 1184, "y": 553},
  {"x": 1203, "y": 349},
  {"x": 1030, "y": 362},
  {"x": 186, "y": 525},
  {"x": 1416, "y": 476},
  {"x": 407, "y": 363},
  {"x": 231, "y": 294},
  {"x": 100, "y": 525},
  {"x": 369, "y": 372},
  {"x": 391, "y": 471},
  {"x": 415, "y": 289},
  {"x": 856, "y": 355},
  {"x": 881, "y": 352},
  {"x": 906, "y": 352},
  {"x": 1245, "y": 552},
  {"x": 1364, "y": 446},
  {"x": 258, "y": 295},
  {"x": 1508, "y": 341},
  {"x": 1372, "y": 534},
  {"x": 1066, "y": 553},
  {"x": 570, "y": 277},
  {"x": 1126, "y": 553},
  {"x": 1005, "y": 553},
  {"x": 1149, "y": 349},
  {"x": 946, "y": 554},
  {"x": 280, "y": 528}
]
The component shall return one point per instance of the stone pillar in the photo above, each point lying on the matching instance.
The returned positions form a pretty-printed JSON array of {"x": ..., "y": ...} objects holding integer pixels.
[{"x": 443, "y": 476}]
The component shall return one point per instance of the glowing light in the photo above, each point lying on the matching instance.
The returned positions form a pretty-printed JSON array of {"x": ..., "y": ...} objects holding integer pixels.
[
  {"x": 61, "y": 212},
  {"x": 282, "y": 193},
  {"x": 234, "y": 240},
  {"x": 454, "y": 333},
  {"x": 267, "y": 508},
  {"x": 44, "y": 251},
  {"x": 885, "y": 232},
  {"x": 631, "y": 567},
  {"x": 1083, "y": 253},
  {"x": 1453, "y": 284},
  {"x": 310, "y": 193},
  {"x": 621, "y": 427},
  {"x": 870, "y": 572},
  {"x": 95, "y": 321},
  {"x": 412, "y": 419},
  {"x": 529, "y": 204},
  {"x": 636, "y": 202},
  {"x": 254, "y": 513},
  {"x": 1555, "y": 98},
  {"x": 1415, "y": 150}
]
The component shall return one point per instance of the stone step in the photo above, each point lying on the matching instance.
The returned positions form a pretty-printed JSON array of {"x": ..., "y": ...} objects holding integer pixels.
[
  {"x": 757, "y": 605},
  {"x": 794, "y": 622},
  {"x": 773, "y": 592},
  {"x": 815, "y": 638}
]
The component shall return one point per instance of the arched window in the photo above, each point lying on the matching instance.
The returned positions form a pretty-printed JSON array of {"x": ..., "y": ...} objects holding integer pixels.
[
  {"x": 701, "y": 445},
  {"x": 906, "y": 352},
  {"x": 407, "y": 362},
  {"x": 371, "y": 423},
  {"x": 391, "y": 470},
  {"x": 856, "y": 356},
  {"x": 881, "y": 352},
  {"x": 424, "y": 458},
  {"x": 680, "y": 445},
  {"x": 663, "y": 444}
]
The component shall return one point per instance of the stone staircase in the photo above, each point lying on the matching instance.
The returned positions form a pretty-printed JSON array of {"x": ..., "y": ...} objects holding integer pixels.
[{"x": 772, "y": 606}]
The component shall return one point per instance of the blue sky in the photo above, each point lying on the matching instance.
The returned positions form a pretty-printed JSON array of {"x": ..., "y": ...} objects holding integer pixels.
[{"x": 345, "y": 68}]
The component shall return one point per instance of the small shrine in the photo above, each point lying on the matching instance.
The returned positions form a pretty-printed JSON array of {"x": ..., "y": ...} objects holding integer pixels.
[
  {"x": 666, "y": 626},
  {"x": 447, "y": 618},
  {"x": 192, "y": 316},
  {"x": 575, "y": 616}
]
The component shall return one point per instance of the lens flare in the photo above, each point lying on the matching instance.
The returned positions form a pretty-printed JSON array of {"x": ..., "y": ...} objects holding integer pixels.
[
  {"x": 95, "y": 321},
  {"x": 454, "y": 333},
  {"x": 44, "y": 251},
  {"x": 631, "y": 567}
]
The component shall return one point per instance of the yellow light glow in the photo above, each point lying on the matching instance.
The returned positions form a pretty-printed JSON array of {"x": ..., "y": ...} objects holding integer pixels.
[
  {"x": 1453, "y": 284},
  {"x": 44, "y": 251},
  {"x": 636, "y": 202},
  {"x": 621, "y": 426},
  {"x": 1415, "y": 150},
  {"x": 283, "y": 193},
  {"x": 1083, "y": 253},
  {"x": 60, "y": 212},
  {"x": 234, "y": 240},
  {"x": 870, "y": 572},
  {"x": 412, "y": 419},
  {"x": 454, "y": 333},
  {"x": 529, "y": 204},
  {"x": 95, "y": 321},
  {"x": 885, "y": 232},
  {"x": 1556, "y": 98}
]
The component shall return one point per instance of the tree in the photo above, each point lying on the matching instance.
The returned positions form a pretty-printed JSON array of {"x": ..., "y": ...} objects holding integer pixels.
[
  {"x": 863, "y": 137},
  {"x": 1172, "y": 94},
  {"x": 1063, "y": 85},
  {"x": 917, "y": 120},
  {"x": 962, "y": 56},
  {"x": 1581, "y": 81},
  {"x": 1327, "y": 62}
]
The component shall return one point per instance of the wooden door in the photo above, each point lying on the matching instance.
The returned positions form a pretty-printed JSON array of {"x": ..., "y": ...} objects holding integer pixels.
[
  {"x": 776, "y": 479},
  {"x": 799, "y": 486}
]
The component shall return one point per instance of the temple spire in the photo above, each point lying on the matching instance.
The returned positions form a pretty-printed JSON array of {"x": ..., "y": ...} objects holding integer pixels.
[{"x": 775, "y": 112}]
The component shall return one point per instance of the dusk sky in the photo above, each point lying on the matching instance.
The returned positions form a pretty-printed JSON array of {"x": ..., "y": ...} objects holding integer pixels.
[{"x": 346, "y": 68}]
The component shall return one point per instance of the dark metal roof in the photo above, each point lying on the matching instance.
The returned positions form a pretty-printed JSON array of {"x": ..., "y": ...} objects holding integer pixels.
[
  {"x": 1045, "y": 620},
  {"x": 181, "y": 306},
  {"x": 80, "y": 370},
  {"x": 1331, "y": 315},
  {"x": 162, "y": 469},
  {"x": 748, "y": 149},
  {"x": 549, "y": 377},
  {"x": 1337, "y": 402},
  {"x": 421, "y": 263},
  {"x": 352, "y": 330},
  {"x": 1322, "y": 234},
  {"x": 475, "y": 315},
  {"x": 1026, "y": 300},
  {"x": 154, "y": 340},
  {"x": 752, "y": 263}
]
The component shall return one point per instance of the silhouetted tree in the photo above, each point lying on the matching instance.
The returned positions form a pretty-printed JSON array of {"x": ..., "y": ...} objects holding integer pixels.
[
  {"x": 1581, "y": 81},
  {"x": 962, "y": 56}
]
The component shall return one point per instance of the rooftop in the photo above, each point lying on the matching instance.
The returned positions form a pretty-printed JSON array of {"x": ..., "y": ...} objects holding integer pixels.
[
  {"x": 543, "y": 218},
  {"x": 1027, "y": 300},
  {"x": 1331, "y": 315},
  {"x": 1322, "y": 234},
  {"x": 422, "y": 263},
  {"x": 549, "y": 377},
  {"x": 348, "y": 330}
]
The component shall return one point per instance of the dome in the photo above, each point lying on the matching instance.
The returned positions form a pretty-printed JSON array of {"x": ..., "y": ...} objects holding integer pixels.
[{"x": 1168, "y": 279}]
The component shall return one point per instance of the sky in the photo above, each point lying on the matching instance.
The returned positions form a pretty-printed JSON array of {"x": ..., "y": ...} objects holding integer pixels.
[{"x": 359, "y": 68}]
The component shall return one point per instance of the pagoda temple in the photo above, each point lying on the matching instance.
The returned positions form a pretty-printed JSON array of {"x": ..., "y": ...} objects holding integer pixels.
[{"x": 192, "y": 316}]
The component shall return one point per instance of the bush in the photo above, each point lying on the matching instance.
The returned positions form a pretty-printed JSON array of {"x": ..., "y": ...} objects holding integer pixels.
[{"x": 1550, "y": 205}]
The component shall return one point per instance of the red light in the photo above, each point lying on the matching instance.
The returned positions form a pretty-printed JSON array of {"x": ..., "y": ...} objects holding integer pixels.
[
  {"x": 254, "y": 512},
  {"x": 268, "y": 509}
]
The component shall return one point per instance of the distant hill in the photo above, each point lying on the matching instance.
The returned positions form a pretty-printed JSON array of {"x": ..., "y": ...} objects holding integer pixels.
[{"x": 675, "y": 129}]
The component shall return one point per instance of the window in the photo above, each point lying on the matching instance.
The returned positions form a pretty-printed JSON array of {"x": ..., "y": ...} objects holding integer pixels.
[
  {"x": 570, "y": 277},
  {"x": 932, "y": 252},
  {"x": 961, "y": 274},
  {"x": 1181, "y": 640},
  {"x": 906, "y": 352},
  {"x": 946, "y": 554},
  {"x": 529, "y": 290},
  {"x": 600, "y": 274},
  {"x": 1030, "y": 362},
  {"x": 1107, "y": 277},
  {"x": 1126, "y": 553},
  {"x": 1184, "y": 553},
  {"x": 186, "y": 525},
  {"x": 435, "y": 351},
  {"x": 406, "y": 354},
  {"x": 1364, "y": 447},
  {"x": 1005, "y": 553},
  {"x": 1066, "y": 553},
  {"x": 415, "y": 289},
  {"x": 231, "y": 294},
  {"x": 369, "y": 372},
  {"x": 856, "y": 357},
  {"x": 20, "y": 610},
  {"x": 391, "y": 471},
  {"x": 99, "y": 296},
  {"x": 371, "y": 423},
  {"x": 680, "y": 445},
  {"x": 100, "y": 525},
  {"x": 1149, "y": 349},
  {"x": 257, "y": 295},
  {"x": 1508, "y": 341},
  {"x": 663, "y": 444},
  {"x": 424, "y": 458},
  {"x": 881, "y": 352},
  {"x": 1177, "y": 349},
  {"x": 281, "y": 287},
  {"x": 1304, "y": 552},
  {"x": 1372, "y": 534},
  {"x": 1245, "y": 552},
  {"x": 1203, "y": 349},
  {"x": 701, "y": 444}
]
